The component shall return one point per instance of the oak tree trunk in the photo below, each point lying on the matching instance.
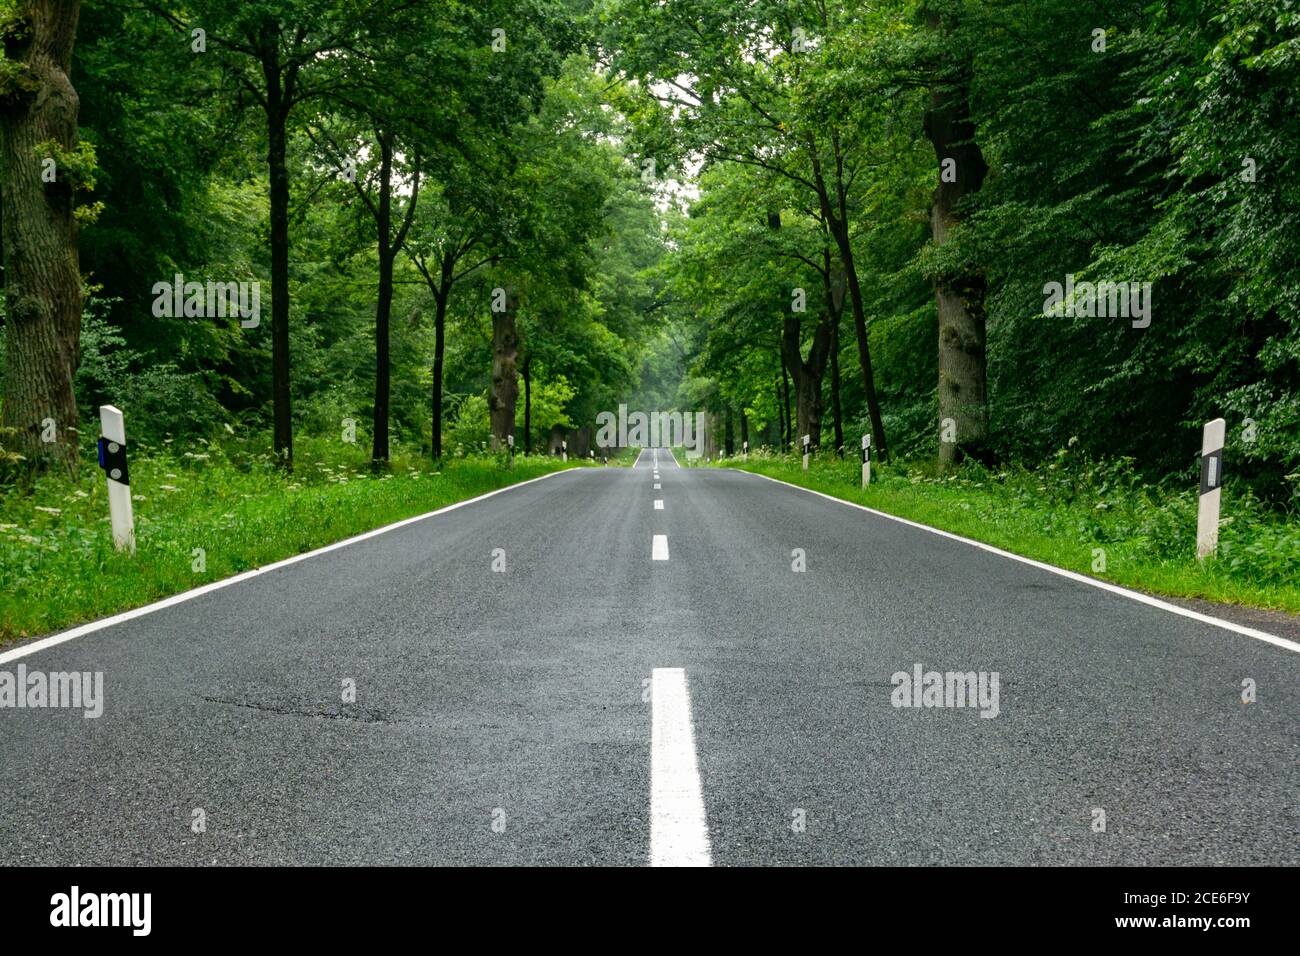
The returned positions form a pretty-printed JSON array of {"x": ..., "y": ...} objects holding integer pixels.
[
  {"x": 959, "y": 297},
  {"x": 43, "y": 294},
  {"x": 505, "y": 385}
]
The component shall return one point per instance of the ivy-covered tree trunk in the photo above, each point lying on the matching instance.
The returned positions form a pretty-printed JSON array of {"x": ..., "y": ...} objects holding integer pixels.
[
  {"x": 959, "y": 295},
  {"x": 43, "y": 295},
  {"x": 505, "y": 383}
]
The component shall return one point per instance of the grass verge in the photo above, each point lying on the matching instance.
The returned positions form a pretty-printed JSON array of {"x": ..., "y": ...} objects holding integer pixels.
[
  {"x": 206, "y": 514},
  {"x": 1097, "y": 519}
]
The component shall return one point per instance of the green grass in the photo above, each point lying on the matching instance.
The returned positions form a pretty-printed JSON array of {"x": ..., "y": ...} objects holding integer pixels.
[
  {"x": 58, "y": 566},
  {"x": 1063, "y": 512}
]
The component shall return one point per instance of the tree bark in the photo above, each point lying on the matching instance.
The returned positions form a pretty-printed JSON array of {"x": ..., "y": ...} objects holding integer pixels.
[
  {"x": 279, "y": 81},
  {"x": 526, "y": 370},
  {"x": 959, "y": 297},
  {"x": 43, "y": 294},
  {"x": 384, "y": 299},
  {"x": 807, "y": 375},
  {"x": 785, "y": 401},
  {"x": 505, "y": 385},
  {"x": 836, "y": 218},
  {"x": 833, "y": 276}
]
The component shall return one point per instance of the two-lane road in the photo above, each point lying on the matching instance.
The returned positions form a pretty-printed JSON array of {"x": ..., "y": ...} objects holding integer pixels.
[{"x": 633, "y": 681}]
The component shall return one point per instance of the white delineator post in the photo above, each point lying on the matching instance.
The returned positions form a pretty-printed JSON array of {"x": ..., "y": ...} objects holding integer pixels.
[
  {"x": 1207, "y": 514},
  {"x": 866, "y": 460},
  {"x": 112, "y": 458},
  {"x": 806, "y": 440},
  {"x": 746, "y": 451},
  {"x": 564, "y": 451}
]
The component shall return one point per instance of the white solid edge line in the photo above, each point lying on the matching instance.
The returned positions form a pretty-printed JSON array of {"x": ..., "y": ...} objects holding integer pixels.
[
  {"x": 676, "y": 464},
  {"x": 659, "y": 548},
  {"x": 1141, "y": 598},
  {"x": 638, "y": 457},
  {"x": 659, "y": 504},
  {"x": 83, "y": 629},
  {"x": 679, "y": 832}
]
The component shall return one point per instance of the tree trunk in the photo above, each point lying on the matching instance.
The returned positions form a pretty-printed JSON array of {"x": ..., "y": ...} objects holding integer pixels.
[
  {"x": 42, "y": 272},
  {"x": 277, "y": 117},
  {"x": 807, "y": 377},
  {"x": 963, "y": 368},
  {"x": 526, "y": 370},
  {"x": 833, "y": 277},
  {"x": 864, "y": 350},
  {"x": 785, "y": 401},
  {"x": 836, "y": 412},
  {"x": 837, "y": 225},
  {"x": 384, "y": 299},
  {"x": 505, "y": 386},
  {"x": 439, "y": 340}
]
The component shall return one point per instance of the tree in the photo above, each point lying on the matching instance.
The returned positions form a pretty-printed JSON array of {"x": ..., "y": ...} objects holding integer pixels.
[
  {"x": 44, "y": 165},
  {"x": 752, "y": 97}
]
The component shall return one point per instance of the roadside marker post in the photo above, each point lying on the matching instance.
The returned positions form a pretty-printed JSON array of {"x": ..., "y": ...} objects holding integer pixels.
[
  {"x": 806, "y": 451},
  {"x": 510, "y": 443},
  {"x": 746, "y": 450},
  {"x": 564, "y": 451},
  {"x": 112, "y": 459},
  {"x": 866, "y": 460},
  {"x": 1207, "y": 513}
]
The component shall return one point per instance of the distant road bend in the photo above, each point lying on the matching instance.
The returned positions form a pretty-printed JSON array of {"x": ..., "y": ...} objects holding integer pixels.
[{"x": 651, "y": 680}]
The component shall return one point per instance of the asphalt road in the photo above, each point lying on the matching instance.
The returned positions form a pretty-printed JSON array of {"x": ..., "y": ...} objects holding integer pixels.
[{"x": 592, "y": 704}]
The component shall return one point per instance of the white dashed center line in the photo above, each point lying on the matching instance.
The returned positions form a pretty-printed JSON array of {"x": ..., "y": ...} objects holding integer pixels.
[
  {"x": 659, "y": 504},
  {"x": 659, "y": 548},
  {"x": 679, "y": 832}
]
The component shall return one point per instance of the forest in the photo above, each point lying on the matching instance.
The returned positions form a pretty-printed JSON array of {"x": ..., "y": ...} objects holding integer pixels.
[{"x": 1023, "y": 245}]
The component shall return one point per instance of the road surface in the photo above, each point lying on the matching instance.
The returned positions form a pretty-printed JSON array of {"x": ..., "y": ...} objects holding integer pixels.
[{"x": 616, "y": 697}]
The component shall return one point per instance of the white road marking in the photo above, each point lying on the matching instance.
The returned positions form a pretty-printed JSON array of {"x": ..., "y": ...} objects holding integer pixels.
[
  {"x": 1062, "y": 572},
  {"x": 659, "y": 548},
  {"x": 656, "y": 476},
  {"x": 125, "y": 616},
  {"x": 659, "y": 504},
  {"x": 679, "y": 832},
  {"x": 658, "y": 487}
]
